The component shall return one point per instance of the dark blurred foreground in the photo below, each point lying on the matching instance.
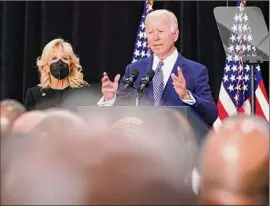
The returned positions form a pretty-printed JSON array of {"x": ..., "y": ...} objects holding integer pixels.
[{"x": 58, "y": 156}]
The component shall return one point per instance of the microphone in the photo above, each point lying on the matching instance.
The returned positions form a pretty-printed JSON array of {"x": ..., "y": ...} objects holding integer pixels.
[
  {"x": 128, "y": 82},
  {"x": 145, "y": 81}
]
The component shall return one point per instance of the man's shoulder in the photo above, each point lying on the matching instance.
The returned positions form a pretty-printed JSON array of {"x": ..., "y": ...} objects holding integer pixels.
[{"x": 192, "y": 63}]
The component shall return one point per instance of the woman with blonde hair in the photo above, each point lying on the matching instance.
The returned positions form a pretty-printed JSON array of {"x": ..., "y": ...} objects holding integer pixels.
[{"x": 60, "y": 75}]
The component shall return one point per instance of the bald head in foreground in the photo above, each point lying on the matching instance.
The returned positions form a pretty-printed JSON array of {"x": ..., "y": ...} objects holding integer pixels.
[
  {"x": 27, "y": 121},
  {"x": 10, "y": 110},
  {"x": 235, "y": 163}
]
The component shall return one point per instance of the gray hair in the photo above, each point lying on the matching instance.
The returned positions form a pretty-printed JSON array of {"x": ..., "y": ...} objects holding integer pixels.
[{"x": 164, "y": 14}]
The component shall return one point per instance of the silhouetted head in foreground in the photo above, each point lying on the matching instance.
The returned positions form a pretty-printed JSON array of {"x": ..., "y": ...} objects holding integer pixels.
[
  {"x": 10, "y": 110},
  {"x": 235, "y": 163},
  {"x": 61, "y": 123},
  {"x": 27, "y": 121}
]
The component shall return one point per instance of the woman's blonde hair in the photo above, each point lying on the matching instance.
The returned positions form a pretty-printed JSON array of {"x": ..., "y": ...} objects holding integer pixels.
[{"x": 75, "y": 77}]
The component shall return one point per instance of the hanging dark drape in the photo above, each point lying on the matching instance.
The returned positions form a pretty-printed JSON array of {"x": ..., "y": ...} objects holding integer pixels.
[{"x": 102, "y": 35}]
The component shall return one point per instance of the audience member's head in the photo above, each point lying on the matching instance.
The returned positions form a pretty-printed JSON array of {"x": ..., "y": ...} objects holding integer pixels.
[
  {"x": 36, "y": 170},
  {"x": 235, "y": 163},
  {"x": 129, "y": 171},
  {"x": 10, "y": 110},
  {"x": 170, "y": 133},
  {"x": 177, "y": 135},
  {"x": 62, "y": 123},
  {"x": 27, "y": 121}
]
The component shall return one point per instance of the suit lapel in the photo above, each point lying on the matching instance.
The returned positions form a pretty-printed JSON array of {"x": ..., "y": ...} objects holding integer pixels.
[{"x": 169, "y": 86}]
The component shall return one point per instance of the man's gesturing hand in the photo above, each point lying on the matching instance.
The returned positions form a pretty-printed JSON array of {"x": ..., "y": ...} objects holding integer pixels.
[{"x": 109, "y": 88}]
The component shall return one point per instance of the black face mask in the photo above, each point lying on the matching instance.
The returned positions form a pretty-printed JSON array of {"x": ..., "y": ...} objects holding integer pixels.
[{"x": 59, "y": 69}]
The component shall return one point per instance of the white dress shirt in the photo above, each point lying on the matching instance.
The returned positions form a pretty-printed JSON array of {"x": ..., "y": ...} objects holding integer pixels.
[
  {"x": 167, "y": 67},
  {"x": 169, "y": 63}
]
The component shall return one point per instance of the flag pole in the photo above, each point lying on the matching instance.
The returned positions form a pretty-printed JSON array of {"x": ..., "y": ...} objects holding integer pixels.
[{"x": 251, "y": 61}]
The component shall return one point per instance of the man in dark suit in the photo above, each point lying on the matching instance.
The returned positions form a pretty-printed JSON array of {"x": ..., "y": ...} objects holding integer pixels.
[{"x": 177, "y": 82}]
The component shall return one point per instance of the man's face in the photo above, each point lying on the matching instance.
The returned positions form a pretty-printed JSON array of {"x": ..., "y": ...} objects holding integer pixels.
[{"x": 161, "y": 37}]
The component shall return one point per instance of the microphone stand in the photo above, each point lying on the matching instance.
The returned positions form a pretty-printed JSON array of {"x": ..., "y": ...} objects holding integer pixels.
[
  {"x": 128, "y": 95},
  {"x": 127, "y": 90},
  {"x": 252, "y": 60},
  {"x": 138, "y": 96}
]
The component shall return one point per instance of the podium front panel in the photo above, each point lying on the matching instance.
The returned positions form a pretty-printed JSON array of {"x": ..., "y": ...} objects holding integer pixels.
[{"x": 114, "y": 114}]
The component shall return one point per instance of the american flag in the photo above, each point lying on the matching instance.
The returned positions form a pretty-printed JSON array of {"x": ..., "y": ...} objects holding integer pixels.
[
  {"x": 141, "y": 50},
  {"x": 235, "y": 93}
]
